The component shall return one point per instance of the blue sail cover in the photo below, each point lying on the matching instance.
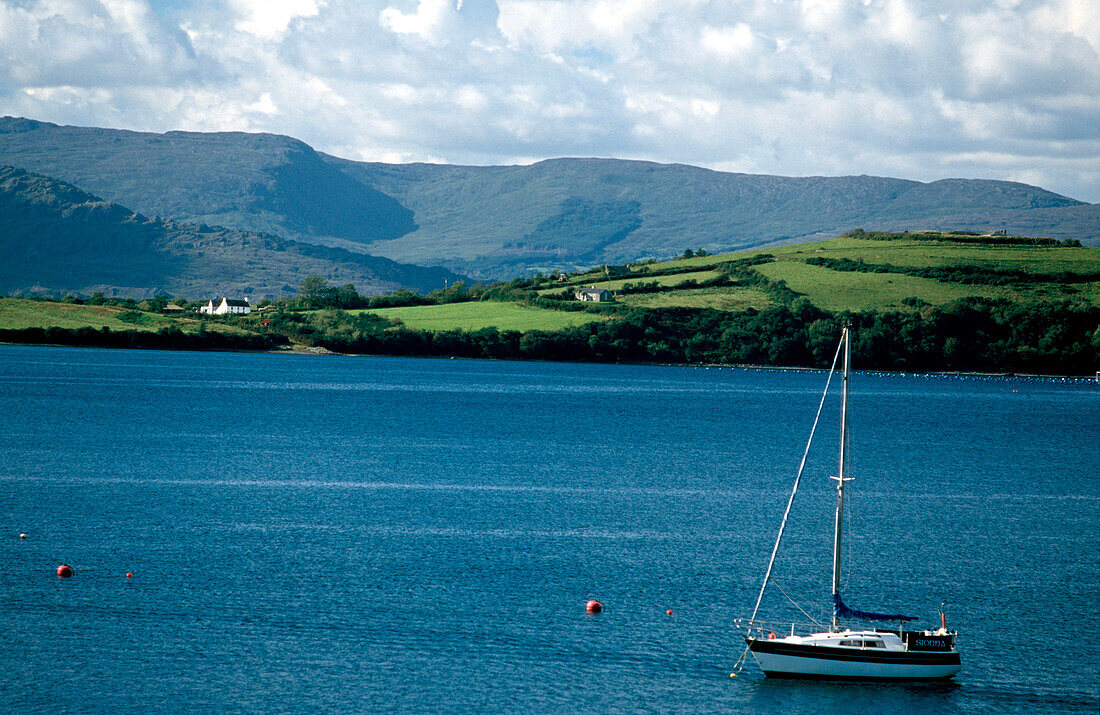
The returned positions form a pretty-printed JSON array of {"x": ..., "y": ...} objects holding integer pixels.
[{"x": 842, "y": 611}]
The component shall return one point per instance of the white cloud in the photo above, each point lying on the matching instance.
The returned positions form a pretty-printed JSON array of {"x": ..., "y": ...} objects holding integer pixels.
[
  {"x": 270, "y": 18},
  {"x": 916, "y": 88},
  {"x": 428, "y": 21},
  {"x": 90, "y": 43},
  {"x": 441, "y": 21},
  {"x": 729, "y": 42}
]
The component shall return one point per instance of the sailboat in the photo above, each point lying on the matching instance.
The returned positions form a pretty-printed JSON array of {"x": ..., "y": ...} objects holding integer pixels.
[{"x": 846, "y": 653}]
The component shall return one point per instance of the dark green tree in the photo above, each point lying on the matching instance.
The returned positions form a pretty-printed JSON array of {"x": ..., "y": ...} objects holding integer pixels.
[{"x": 313, "y": 291}]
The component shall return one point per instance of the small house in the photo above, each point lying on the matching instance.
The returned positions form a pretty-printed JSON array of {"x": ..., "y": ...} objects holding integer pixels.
[
  {"x": 227, "y": 306},
  {"x": 592, "y": 294}
]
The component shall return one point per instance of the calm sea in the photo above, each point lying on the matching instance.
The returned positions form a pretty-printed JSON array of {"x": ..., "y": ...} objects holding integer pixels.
[{"x": 368, "y": 534}]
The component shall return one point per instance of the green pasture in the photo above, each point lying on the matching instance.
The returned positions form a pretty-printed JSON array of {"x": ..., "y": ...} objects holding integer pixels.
[
  {"x": 909, "y": 253},
  {"x": 1085, "y": 292},
  {"x": 16, "y": 313},
  {"x": 476, "y": 315},
  {"x": 841, "y": 290},
  {"x": 667, "y": 281},
  {"x": 683, "y": 266},
  {"x": 845, "y": 290},
  {"x": 719, "y": 298},
  {"x": 19, "y": 313},
  {"x": 912, "y": 253}
]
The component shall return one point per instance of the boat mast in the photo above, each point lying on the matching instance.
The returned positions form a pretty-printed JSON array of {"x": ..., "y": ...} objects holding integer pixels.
[
  {"x": 841, "y": 478},
  {"x": 797, "y": 479}
]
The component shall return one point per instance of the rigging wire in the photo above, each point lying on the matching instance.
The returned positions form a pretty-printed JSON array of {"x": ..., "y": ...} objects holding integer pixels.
[
  {"x": 798, "y": 477},
  {"x": 795, "y": 604}
]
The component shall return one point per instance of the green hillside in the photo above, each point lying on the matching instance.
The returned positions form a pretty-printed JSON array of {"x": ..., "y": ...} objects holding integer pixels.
[
  {"x": 879, "y": 272},
  {"x": 478, "y": 315},
  {"x": 918, "y": 302},
  {"x": 20, "y": 313}
]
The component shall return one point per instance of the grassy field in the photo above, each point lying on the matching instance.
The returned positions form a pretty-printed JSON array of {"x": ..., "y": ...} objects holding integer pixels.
[
  {"x": 847, "y": 290},
  {"x": 731, "y": 299},
  {"x": 17, "y": 313},
  {"x": 830, "y": 289},
  {"x": 912, "y": 253},
  {"x": 484, "y": 314},
  {"x": 836, "y": 290},
  {"x": 842, "y": 290},
  {"x": 674, "y": 279}
]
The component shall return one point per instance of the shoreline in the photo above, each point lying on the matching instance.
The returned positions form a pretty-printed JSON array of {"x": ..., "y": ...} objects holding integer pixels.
[{"x": 321, "y": 352}]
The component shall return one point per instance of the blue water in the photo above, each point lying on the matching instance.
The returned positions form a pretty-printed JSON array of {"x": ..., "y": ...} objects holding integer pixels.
[{"x": 363, "y": 534}]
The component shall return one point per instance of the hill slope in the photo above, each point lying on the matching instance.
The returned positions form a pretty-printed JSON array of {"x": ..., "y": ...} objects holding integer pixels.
[
  {"x": 255, "y": 182},
  {"x": 56, "y": 238},
  {"x": 494, "y": 222},
  {"x": 588, "y": 211},
  {"x": 861, "y": 271}
]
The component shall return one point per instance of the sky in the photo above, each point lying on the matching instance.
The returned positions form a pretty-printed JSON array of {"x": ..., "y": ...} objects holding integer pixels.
[{"x": 917, "y": 89}]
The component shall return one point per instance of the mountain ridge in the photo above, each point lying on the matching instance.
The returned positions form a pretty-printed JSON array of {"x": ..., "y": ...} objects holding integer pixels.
[
  {"x": 500, "y": 221},
  {"x": 279, "y": 183},
  {"x": 686, "y": 206},
  {"x": 56, "y": 238}
]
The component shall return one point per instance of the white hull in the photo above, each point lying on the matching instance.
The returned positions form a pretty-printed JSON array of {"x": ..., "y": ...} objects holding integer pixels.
[
  {"x": 859, "y": 655},
  {"x": 813, "y": 667}
]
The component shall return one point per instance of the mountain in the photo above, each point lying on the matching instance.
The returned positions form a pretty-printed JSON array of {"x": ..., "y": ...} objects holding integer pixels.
[
  {"x": 254, "y": 182},
  {"x": 56, "y": 239},
  {"x": 500, "y": 221},
  {"x": 591, "y": 211}
]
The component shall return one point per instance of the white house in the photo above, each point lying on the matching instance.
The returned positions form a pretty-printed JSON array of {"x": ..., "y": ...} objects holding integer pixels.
[
  {"x": 227, "y": 305},
  {"x": 592, "y": 294}
]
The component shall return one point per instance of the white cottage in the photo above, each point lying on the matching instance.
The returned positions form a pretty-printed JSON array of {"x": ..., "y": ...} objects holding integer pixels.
[
  {"x": 592, "y": 294},
  {"x": 227, "y": 306}
]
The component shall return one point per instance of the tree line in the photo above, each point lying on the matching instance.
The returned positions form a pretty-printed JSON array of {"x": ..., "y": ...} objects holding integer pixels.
[
  {"x": 970, "y": 335},
  {"x": 968, "y": 237},
  {"x": 967, "y": 274},
  {"x": 167, "y": 338}
]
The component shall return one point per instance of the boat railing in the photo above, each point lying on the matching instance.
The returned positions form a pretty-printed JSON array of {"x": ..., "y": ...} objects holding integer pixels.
[{"x": 775, "y": 629}]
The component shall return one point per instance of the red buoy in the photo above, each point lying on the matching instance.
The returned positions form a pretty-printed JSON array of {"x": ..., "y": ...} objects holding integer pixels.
[
  {"x": 668, "y": 612},
  {"x": 64, "y": 571},
  {"x": 128, "y": 574},
  {"x": 593, "y": 606}
]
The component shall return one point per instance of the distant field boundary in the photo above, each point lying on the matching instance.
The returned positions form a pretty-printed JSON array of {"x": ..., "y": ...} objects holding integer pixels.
[{"x": 960, "y": 237}]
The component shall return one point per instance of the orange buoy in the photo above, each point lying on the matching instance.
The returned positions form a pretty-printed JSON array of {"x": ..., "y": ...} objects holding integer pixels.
[
  {"x": 593, "y": 606},
  {"x": 771, "y": 636},
  {"x": 668, "y": 612},
  {"x": 64, "y": 571}
]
